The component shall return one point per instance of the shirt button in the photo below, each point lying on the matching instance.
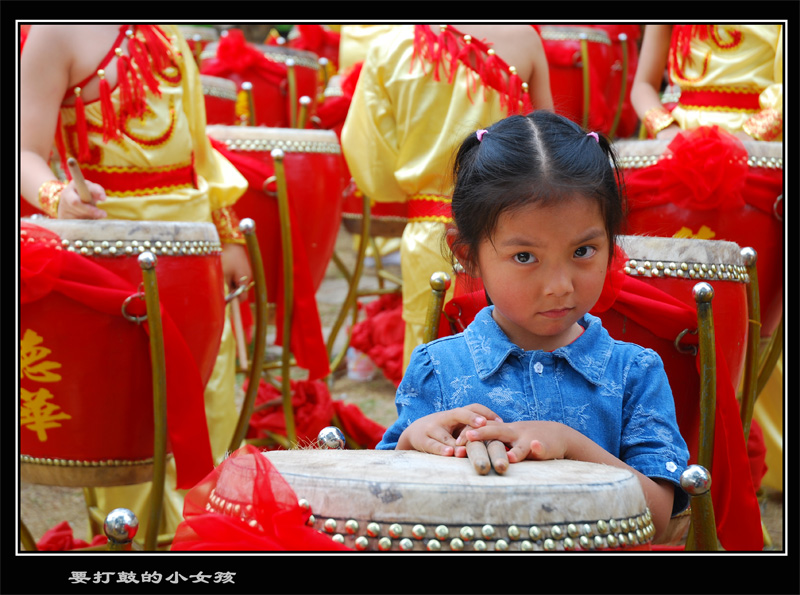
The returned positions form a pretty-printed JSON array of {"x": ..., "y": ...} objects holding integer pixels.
[{"x": 538, "y": 367}]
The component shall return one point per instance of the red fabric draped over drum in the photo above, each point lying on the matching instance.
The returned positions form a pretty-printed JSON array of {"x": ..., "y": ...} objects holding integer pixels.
[
  {"x": 306, "y": 342},
  {"x": 45, "y": 267},
  {"x": 735, "y": 505},
  {"x": 264, "y": 516}
]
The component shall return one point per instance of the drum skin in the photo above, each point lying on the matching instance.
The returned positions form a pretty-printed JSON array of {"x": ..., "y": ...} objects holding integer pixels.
[
  {"x": 105, "y": 383},
  {"x": 272, "y": 103},
  {"x": 314, "y": 169},
  {"x": 408, "y": 500},
  {"x": 747, "y": 225}
]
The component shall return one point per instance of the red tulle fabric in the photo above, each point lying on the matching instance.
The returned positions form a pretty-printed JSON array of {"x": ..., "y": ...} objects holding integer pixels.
[
  {"x": 45, "y": 267},
  {"x": 381, "y": 334},
  {"x": 61, "y": 539},
  {"x": 236, "y": 56},
  {"x": 314, "y": 409},
  {"x": 278, "y": 522},
  {"x": 307, "y": 342},
  {"x": 703, "y": 169}
]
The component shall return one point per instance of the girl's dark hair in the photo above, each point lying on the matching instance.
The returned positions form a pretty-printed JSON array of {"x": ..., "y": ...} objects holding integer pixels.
[{"x": 539, "y": 158}]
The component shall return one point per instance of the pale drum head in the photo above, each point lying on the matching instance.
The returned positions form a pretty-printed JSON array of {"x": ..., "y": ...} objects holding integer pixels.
[
  {"x": 641, "y": 153},
  {"x": 408, "y": 500}
]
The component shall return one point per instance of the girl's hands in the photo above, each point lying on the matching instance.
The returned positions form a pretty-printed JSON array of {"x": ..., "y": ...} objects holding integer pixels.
[
  {"x": 436, "y": 433},
  {"x": 536, "y": 440}
]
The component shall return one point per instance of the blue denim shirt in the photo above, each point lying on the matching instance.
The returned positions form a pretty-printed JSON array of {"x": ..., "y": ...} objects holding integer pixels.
[{"x": 613, "y": 392}]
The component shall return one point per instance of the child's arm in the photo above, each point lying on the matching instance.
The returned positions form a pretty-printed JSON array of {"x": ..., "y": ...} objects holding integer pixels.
[{"x": 546, "y": 440}]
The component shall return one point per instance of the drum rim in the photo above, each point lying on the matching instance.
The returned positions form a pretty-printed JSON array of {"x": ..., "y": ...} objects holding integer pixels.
[
  {"x": 267, "y": 138},
  {"x": 126, "y": 231},
  {"x": 276, "y": 53},
  {"x": 563, "y": 33}
]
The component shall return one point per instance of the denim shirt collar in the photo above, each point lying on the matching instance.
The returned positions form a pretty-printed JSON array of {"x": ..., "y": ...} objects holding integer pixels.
[{"x": 490, "y": 347}]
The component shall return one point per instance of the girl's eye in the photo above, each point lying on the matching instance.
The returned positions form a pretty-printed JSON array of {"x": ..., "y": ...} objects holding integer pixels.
[
  {"x": 524, "y": 257},
  {"x": 585, "y": 251}
]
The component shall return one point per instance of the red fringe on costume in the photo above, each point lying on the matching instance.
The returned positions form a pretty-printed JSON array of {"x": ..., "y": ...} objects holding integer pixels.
[{"x": 450, "y": 47}]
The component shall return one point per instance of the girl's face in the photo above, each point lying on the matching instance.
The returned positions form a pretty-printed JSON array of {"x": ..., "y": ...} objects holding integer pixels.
[{"x": 544, "y": 269}]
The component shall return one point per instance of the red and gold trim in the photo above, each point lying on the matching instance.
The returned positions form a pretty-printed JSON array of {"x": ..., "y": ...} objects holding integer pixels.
[
  {"x": 656, "y": 119},
  {"x": 429, "y": 207},
  {"x": 720, "y": 99},
  {"x": 138, "y": 181},
  {"x": 766, "y": 125},
  {"x": 49, "y": 195},
  {"x": 227, "y": 224}
]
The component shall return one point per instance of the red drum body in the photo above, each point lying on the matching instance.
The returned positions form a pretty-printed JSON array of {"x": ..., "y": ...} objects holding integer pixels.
[
  {"x": 570, "y": 72},
  {"x": 86, "y": 375},
  {"x": 272, "y": 102},
  {"x": 219, "y": 95},
  {"x": 387, "y": 219},
  {"x": 198, "y": 37},
  {"x": 675, "y": 266},
  {"x": 624, "y": 51},
  {"x": 399, "y": 501},
  {"x": 315, "y": 180},
  {"x": 757, "y": 223}
]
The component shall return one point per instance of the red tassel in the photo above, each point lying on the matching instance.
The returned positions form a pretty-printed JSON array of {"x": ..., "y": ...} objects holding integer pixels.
[
  {"x": 157, "y": 46},
  {"x": 127, "y": 107},
  {"x": 139, "y": 54},
  {"x": 80, "y": 126},
  {"x": 110, "y": 130},
  {"x": 514, "y": 94},
  {"x": 493, "y": 75}
]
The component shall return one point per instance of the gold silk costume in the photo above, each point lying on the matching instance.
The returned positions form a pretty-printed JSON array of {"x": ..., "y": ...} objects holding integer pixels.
[
  {"x": 408, "y": 115},
  {"x": 731, "y": 76},
  {"x": 161, "y": 168}
]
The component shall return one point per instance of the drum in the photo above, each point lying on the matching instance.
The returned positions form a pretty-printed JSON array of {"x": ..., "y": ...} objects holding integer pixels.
[
  {"x": 86, "y": 375},
  {"x": 412, "y": 501},
  {"x": 625, "y": 40},
  {"x": 756, "y": 223},
  {"x": 198, "y": 37},
  {"x": 675, "y": 266},
  {"x": 314, "y": 169},
  {"x": 387, "y": 219},
  {"x": 567, "y": 67},
  {"x": 271, "y": 97},
  {"x": 219, "y": 95}
]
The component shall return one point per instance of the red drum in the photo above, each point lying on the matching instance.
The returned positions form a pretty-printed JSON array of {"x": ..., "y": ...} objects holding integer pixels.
[
  {"x": 387, "y": 219},
  {"x": 624, "y": 50},
  {"x": 220, "y": 100},
  {"x": 86, "y": 382},
  {"x": 754, "y": 220},
  {"x": 315, "y": 180},
  {"x": 198, "y": 37},
  {"x": 400, "y": 501},
  {"x": 562, "y": 46},
  {"x": 675, "y": 266},
  {"x": 271, "y": 96}
]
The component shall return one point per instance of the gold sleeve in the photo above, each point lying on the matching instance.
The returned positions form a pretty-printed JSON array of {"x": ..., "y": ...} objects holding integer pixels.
[{"x": 767, "y": 124}]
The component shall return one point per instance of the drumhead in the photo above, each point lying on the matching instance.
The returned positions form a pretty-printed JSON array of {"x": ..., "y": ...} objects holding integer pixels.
[
  {"x": 117, "y": 236},
  {"x": 275, "y": 53},
  {"x": 560, "y": 33},
  {"x": 417, "y": 500},
  {"x": 643, "y": 153},
  {"x": 267, "y": 138},
  {"x": 218, "y": 87},
  {"x": 190, "y": 33}
]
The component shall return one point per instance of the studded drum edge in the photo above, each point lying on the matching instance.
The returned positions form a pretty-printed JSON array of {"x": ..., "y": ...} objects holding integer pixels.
[
  {"x": 594, "y": 535},
  {"x": 136, "y": 247},
  {"x": 641, "y": 161},
  {"x": 686, "y": 270}
]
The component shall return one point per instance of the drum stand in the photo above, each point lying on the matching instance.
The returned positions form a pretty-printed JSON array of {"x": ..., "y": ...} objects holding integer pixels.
[
  {"x": 367, "y": 233},
  {"x": 147, "y": 262}
]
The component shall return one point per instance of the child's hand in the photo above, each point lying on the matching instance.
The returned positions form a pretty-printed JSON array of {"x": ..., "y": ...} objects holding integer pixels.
[
  {"x": 536, "y": 440},
  {"x": 70, "y": 206},
  {"x": 436, "y": 433}
]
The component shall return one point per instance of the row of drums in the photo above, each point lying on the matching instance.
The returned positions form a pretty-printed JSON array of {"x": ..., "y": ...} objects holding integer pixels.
[{"x": 59, "y": 438}]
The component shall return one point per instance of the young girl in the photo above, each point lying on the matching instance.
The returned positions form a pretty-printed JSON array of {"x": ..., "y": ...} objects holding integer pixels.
[{"x": 536, "y": 210}]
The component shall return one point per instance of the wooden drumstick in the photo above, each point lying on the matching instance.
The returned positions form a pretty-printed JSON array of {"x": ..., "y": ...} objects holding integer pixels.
[
  {"x": 478, "y": 456},
  {"x": 80, "y": 182},
  {"x": 238, "y": 327},
  {"x": 498, "y": 456}
]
